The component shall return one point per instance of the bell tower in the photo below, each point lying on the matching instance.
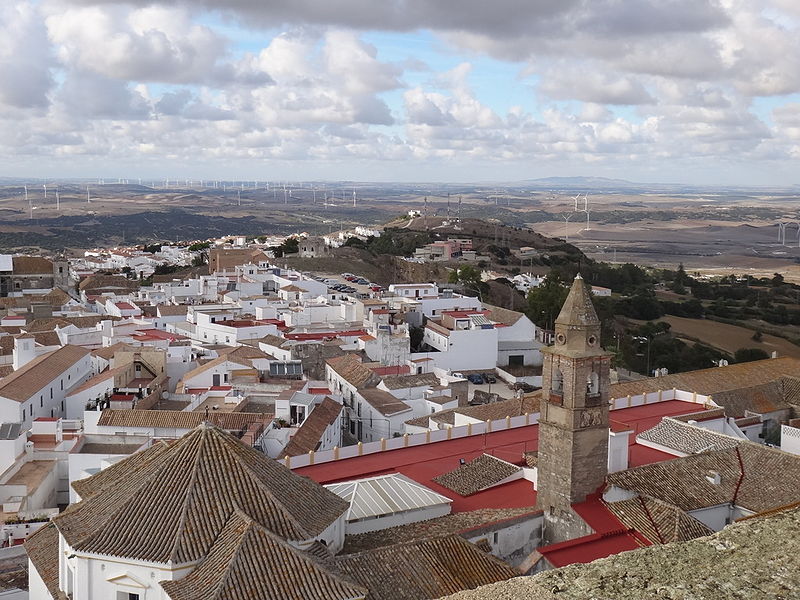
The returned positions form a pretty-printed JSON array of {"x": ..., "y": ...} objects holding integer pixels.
[{"x": 573, "y": 424}]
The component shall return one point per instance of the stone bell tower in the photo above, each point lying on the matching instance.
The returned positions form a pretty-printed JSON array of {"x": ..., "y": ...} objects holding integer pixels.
[{"x": 573, "y": 426}]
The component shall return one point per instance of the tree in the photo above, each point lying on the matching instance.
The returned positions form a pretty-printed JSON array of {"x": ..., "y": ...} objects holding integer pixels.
[
  {"x": 467, "y": 275},
  {"x": 749, "y": 354},
  {"x": 545, "y": 301},
  {"x": 199, "y": 246}
]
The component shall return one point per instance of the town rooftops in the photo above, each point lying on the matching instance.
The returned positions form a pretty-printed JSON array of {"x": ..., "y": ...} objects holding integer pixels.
[
  {"x": 40, "y": 372},
  {"x": 172, "y": 310},
  {"x": 400, "y": 382},
  {"x": 170, "y": 502}
]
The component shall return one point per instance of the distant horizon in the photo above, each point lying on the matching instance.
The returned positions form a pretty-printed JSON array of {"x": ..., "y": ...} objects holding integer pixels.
[
  {"x": 565, "y": 181},
  {"x": 684, "y": 92}
]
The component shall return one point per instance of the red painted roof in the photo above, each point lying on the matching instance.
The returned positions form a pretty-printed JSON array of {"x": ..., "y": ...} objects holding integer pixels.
[
  {"x": 318, "y": 390},
  {"x": 46, "y": 419},
  {"x": 324, "y": 335},
  {"x": 393, "y": 370},
  {"x": 423, "y": 463},
  {"x": 157, "y": 334},
  {"x": 463, "y": 314},
  {"x": 122, "y": 397},
  {"x": 125, "y": 306}
]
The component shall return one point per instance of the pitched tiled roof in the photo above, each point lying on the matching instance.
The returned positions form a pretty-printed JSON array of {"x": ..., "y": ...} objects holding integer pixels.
[
  {"x": 274, "y": 340},
  {"x": 383, "y": 402},
  {"x": 752, "y": 476},
  {"x": 499, "y": 314},
  {"x": 349, "y": 367},
  {"x": 478, "y": 474},
  {"x": 42, "y": 549},
  {"x": 420, "y": 570},
  {"x": 172, "y": 503},
  {"x": 400, "y": 382},
  {"x": 38, "y": 373},
  {"x": 686, "y": 438},
  {"x": 176, "y": 419},
  {"x": 172, "y": 310},
  {"x": 310, "y": 432},
  {"x": 763, "y": 398},
  {"x": 514, "y": 407},
  {"x": 713, "y": 380},
  {"x": 108, "y": 352},
  {"x": 99, "y": 378},
  {"x": 658, "y": 521},
  {"x": 32, "y": 265},
  {"x": 246, "y": 561}
]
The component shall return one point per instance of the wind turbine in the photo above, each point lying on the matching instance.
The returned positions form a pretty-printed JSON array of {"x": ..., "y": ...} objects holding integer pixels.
[
  {"x": 58, "y": 201},
  {"x": 88, "y": 196},
  {"x": 586, "y": 208},
  {"x": 354, "y": 196},
  {"x": 45, "y": 191}
]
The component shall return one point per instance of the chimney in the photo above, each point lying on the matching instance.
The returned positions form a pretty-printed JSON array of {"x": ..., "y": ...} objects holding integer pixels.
[{"x": 24, "y": 350}]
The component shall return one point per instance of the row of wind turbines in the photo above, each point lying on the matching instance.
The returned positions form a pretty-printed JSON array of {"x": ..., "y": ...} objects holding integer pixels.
[{"x": 575, "y": 211}]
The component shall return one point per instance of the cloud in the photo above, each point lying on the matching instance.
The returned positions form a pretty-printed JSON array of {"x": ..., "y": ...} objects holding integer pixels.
[
  {"x": 26, "y": 61},
  {"x": 587, "y": 83}
]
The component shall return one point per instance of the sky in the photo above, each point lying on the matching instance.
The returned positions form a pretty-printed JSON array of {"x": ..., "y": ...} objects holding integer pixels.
[{"x": 692, "y": 91}]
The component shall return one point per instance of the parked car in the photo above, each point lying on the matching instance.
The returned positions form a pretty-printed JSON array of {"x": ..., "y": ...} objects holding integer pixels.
[
  {"x": 475, "y": 378},
  {"x": 489, "y": 378}
]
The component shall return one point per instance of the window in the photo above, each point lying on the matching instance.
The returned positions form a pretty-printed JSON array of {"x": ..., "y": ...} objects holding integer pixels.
[
  {"x": 41, "y": 401},
  {"x": 557, "y": 382},
  {"x": 128, "y": 596},
  {"x": 23, "y": 414}
]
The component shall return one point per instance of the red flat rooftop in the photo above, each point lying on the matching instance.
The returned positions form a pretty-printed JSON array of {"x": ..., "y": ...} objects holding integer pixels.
[{"x": 423, "y": 463}]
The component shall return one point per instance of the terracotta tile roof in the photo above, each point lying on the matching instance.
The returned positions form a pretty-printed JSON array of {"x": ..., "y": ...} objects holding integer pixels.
[
  {"x": 499, "y": 314},
  {"x": 32, "y": 265},
  {"x": 247, "y": 561},
  {"x": 752, "y": 476},
  {"x": 310, "y": 432},
  {"x": 658, "y": 521},
  {"x": 108, "y": 352},
  {"x": 38, "y": 373},
  {"x": 172, "y": 310},
  {"x": 426, "y": 569},
  {"x": 176, "y": 419},
  {"x": 399, "y": 382},
  {"x": 713, "y": 380},
  {"x": 687, "y": 439},
  {"x": 42, "y": 549},
  {"x": 763, "y": 398},
  {"x": 352, "y": 370},
  {"x": 172, "y": 503},
  {"x": 479, "y": 474},
  {"x": 274, "y": 340},
  {"x": 454, "y": 523},
  {"x": 241, "y": 355},
  {"x": 99, "y": 378},
  {"x": 383, "y": 402},
  {"x": 514, "y": 407},
  {"x": 47, "y": 338}
]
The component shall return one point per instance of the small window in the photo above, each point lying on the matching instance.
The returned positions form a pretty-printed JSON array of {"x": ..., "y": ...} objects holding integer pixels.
[
  {"x": 41, "y": 401},
  {"x": 127, "y": 596}
]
